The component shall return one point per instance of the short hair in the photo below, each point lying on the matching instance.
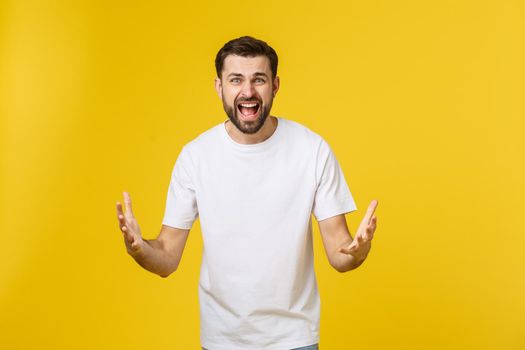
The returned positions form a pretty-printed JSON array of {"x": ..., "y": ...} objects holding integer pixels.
[{"x": 246, "y": 46}]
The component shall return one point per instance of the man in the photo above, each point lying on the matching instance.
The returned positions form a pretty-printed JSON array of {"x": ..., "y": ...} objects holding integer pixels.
[{"x": 254, "y": 181}]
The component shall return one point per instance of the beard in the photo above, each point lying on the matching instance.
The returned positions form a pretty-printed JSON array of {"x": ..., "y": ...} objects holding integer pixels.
[{"x": 247, "y": 127}]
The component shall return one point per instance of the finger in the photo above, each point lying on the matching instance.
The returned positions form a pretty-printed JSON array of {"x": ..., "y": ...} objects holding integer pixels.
[
  {"x": 124, "y": 233},
  {"x": 347, "y": 249},
  {"x": 350, "y": 250},
  {"x": 368, "y": 216},
  {"x": 121, "y": 220},
  {"x": 127, "y": 203},
  {"x": 123, "y": 226},
  {"x": 120, "y": 216},
  {"x": 372, "y": 227},
  {"x": 344, "y": 250},
  {"x": 119, "y": 209},
  {"x": 356, "y": 243},
  {"x": 367, "y": 236},
  {"x": 127, "y": 234},
  {"x": 120, "y": 213},
  {"x": 370, "y": 211}
]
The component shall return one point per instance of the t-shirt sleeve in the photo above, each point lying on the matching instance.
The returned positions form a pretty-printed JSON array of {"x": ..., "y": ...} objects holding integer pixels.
[
  {"x": 332, "y": 196},
  {"x": 181, "y": 204}
]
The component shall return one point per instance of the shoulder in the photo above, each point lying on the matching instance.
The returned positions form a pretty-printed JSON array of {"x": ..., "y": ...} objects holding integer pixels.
[
  {"x": 191, "y": 152},
  {"x": 203, "y": 141},
  {"x": 301, "y": 133},
  {"x": 312, "y": 141}
]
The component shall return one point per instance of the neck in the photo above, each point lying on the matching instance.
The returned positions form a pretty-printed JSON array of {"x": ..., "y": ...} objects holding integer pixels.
[{"x": 268, "y": 128}]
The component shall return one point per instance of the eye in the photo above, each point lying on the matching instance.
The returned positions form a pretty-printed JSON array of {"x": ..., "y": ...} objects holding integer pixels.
[
  {"x": 259, "y": 80},
  {"x": 235, "y": 80}
]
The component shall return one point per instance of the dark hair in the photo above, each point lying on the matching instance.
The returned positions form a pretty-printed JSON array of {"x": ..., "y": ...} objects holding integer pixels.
[{"x": 246, "y": 46}]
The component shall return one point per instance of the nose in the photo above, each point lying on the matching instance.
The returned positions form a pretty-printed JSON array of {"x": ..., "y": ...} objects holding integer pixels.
[{"x": 248, "y": 89}]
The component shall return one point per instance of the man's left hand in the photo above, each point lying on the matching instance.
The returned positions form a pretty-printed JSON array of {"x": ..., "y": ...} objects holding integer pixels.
[{"x": 361, "y": 244}]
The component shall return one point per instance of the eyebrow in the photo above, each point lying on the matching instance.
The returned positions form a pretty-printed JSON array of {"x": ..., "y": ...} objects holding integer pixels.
[{"x": 256, "y": 74}]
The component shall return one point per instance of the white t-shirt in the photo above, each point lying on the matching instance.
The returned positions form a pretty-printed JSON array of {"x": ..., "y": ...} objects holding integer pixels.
[{"x": 257, "y": 287}]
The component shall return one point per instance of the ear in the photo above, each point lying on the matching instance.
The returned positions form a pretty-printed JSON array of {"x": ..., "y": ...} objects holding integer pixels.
[
  {"x": 218, "y": 87},
  {"x": 275, "y": 85}
]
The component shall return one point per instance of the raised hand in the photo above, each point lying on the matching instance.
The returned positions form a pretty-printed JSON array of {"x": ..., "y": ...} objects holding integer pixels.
[
  {"x": 361, "y": 244},
  {"x": 129, "y": 226}
]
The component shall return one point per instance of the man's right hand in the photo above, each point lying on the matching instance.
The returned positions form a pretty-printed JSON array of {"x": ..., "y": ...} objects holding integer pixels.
[{"x": 129, "y": 227}]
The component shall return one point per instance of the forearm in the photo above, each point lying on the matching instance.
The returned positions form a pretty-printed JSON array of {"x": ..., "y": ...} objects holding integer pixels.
[{"x": 154, "y": 258}]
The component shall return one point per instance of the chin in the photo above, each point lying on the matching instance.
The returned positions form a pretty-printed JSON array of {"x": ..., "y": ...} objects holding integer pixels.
[{"x": 248, "y": 127}]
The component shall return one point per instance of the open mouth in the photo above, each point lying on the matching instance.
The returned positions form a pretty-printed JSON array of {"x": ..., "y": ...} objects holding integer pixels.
[{"x": 249, "y": 110}]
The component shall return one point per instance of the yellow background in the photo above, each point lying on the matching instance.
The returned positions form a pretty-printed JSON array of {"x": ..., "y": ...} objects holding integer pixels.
[{"x": 421, "y": 101}]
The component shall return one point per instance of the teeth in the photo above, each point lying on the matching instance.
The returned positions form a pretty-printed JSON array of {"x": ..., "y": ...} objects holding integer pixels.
[{"x": 248, "y": 104}]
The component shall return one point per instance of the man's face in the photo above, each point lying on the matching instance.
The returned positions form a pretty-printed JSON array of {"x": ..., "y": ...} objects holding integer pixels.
[{"x": 247, "y": 91}]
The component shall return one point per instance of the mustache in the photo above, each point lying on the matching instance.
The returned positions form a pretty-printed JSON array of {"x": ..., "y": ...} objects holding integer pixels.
[{"x": 254, "y": 99}]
